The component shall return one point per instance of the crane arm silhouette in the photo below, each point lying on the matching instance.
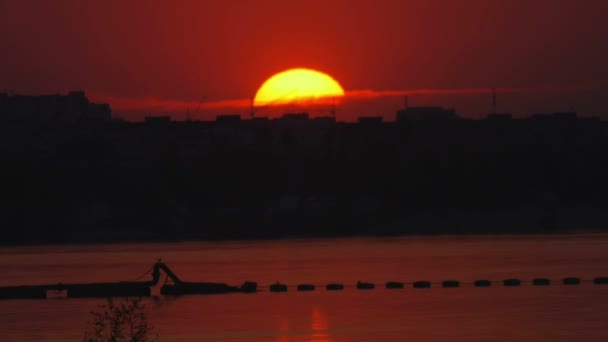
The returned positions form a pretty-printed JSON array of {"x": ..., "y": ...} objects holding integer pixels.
[{"x": 158, "y": 266}]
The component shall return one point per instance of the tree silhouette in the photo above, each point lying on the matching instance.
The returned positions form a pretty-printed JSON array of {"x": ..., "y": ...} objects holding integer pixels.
[{"x": 123, "y": 322}]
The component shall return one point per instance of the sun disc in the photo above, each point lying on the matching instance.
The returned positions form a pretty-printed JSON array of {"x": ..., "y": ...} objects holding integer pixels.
[{"x": 302, "y": 86}]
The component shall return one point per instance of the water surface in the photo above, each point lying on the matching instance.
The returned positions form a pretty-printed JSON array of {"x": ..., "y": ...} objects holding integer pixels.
[{"x": 527, "y": 313}]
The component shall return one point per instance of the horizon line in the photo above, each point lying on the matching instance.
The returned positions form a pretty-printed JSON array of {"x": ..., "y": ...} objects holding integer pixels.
[{"x": 126, "y": 103}]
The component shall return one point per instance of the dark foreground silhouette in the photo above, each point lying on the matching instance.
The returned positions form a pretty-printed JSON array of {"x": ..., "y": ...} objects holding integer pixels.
[
  {"x": 120, "y": 320},
  {"x": 86, "y": 178},
  {"x": 172, "y": 285}
]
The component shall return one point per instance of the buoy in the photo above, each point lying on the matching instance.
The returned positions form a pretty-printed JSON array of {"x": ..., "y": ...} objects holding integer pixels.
[
  {"x": 394, "y": 285},
  {"x": 278, "y": 287},
  {"x": 423, "y": 284},
  {"x": 334, "y": 287},
  {"x": 541, "y": 282},
  {"x": 365, "y": 286},
  {"x": 450, "y": 283},
  {"x": 306, "y": 287},
  {"x": 601, "y": 280},
  {"x": 511, "y": 282},
  {"x": 483, "y": 283},
  {"x": 572, "y": 281},
  {"x": 249, "y": 287}
]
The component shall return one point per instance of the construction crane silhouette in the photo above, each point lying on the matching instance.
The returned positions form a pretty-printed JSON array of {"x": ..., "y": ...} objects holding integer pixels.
[
  {"x": 333, "y": 109},
  {"x": 198, "y": 108},
  {"x": 493, "y": 90}
]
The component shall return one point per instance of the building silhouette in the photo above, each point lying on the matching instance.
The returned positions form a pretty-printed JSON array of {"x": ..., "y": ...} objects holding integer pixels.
[
  {"x": 430, "y": 171},
  {"x": 415, "y": 114},
  {"x": 71, "y": 108}
]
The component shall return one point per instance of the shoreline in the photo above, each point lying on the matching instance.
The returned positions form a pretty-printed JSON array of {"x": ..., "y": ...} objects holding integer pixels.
[{"x": 96, "y": 242}]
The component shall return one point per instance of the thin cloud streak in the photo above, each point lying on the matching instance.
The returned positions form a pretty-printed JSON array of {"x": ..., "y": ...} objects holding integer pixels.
[
  {"x": 372, "y": 94},
  {"x": 154, "y": 104}
]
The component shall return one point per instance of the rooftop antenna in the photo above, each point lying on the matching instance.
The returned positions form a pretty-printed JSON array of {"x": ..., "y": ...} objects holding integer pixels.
[
  {"x": 405, "y": 102},
  {"x": 493, "y": 100},
  {"x": 333, "y": 107},
  {"x": 252, "y": 108},
  {"x": 198, "y": 108}
]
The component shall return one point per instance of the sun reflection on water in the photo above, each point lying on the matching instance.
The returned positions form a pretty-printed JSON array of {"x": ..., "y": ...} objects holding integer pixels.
[
  {"x": 284, "y": 333},
  {"x": 319, "y": 329}
]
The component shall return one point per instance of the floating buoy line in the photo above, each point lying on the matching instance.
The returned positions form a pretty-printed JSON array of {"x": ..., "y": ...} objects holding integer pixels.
[
  {"x": 173, "y": 285},
  {"x": 424, "y": 284}
]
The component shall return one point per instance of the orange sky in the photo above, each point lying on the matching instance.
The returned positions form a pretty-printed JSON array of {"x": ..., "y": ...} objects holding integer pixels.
[{"x": 184, "y": 51}]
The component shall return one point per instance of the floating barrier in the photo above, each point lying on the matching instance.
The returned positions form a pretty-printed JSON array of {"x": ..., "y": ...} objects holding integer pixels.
[
  {"x": 334, "y": 287},
  {"x": 541, "y": 282},
  {"x": 183, "y": 288},
  {"x": 179, "y": 287},
  {"x": 511, "y": 282},
  {"x": 423, "y": 284},
  {"x": 450, "y": 283},
  {"x": 23, "y": 292},
  {"x": 365, "y": 286},
  {"x": 306, "y": 287},
  {"x": 394, "y": 285},
  {"x": 600, "y": 280},
  {"x": 108, "y": 290},
  {"x": 571, "y": 281},
  {"x": 482, "y": 283}
]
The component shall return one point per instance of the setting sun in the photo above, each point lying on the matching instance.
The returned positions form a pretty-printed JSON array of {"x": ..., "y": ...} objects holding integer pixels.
[{"x": 298, "y": 86}]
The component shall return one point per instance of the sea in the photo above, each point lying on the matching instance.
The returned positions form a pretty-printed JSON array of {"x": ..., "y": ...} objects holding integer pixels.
[{"x": 466, "y": 313}]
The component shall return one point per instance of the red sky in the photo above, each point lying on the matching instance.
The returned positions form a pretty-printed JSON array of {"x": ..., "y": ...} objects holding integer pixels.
[{"x": 184, "y": 51}]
